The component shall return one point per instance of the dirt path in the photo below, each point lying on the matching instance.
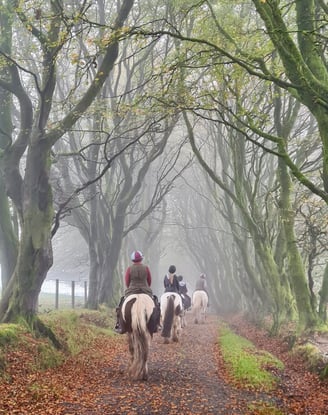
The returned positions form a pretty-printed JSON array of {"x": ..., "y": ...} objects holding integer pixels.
[{"x": 184, "y": 378}]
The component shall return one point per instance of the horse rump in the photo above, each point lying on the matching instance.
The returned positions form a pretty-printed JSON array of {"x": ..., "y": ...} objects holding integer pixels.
[{"x": 200, "y": 300}]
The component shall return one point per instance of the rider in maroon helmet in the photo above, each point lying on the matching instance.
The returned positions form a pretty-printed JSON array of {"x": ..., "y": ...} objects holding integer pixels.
[{"x": 137, "y": 280}]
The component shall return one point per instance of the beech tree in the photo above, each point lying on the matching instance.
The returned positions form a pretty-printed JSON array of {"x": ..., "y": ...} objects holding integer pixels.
[
  {"x": 26, "y": 155},
  {"x": 276, "y": 43}
]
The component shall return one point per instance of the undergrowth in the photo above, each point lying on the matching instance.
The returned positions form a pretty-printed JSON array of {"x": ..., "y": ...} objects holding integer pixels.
[
  {"x": 248, "y": 366},
  {"x": 75, "y": 330}
]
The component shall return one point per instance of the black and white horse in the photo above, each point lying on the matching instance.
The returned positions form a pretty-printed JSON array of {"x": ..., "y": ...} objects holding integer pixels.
[
  {"x": 139, "y": 319},
  {"x": 171, "y": 316},
  {"x": 199, "y": 306}
]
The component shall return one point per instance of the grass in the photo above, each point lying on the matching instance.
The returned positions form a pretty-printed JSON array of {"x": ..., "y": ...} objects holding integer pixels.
[
  {"x": 47, "y": 302},
  {"x": 75, "y": 329},
  {"x": 246, "y": 364},
  {"x": 9, "y": 333}
]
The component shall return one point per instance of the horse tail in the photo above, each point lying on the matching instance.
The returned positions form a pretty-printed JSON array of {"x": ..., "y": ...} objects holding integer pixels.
[
  {"x": 128, "y": 314},
  {"x": 168, "y": 316},
  {"x": 139, "y": 337}
]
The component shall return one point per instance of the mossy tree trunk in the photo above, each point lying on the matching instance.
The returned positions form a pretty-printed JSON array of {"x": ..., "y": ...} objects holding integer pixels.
[
  {"x": 35, "y": 252},
  {"x": 8, "y": 236},
  {"x": 295, "y": 268},
  {"x": 296, "y": 272}
]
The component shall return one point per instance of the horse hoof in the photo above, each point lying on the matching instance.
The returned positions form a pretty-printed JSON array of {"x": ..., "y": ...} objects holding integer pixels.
[
  {"x": 175, "y": 339},
  {"x": 166, "y": 340}
]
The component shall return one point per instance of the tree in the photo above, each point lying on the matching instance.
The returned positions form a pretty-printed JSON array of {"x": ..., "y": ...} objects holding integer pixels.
[
  {"x": 50, "y": 31},
  {"x": 291, "y": 60}
]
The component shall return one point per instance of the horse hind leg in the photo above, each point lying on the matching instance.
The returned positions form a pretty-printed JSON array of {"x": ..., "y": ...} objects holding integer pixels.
[
  {"x": 196, "y": 315},
  {"x": 175, "y": 334},
  {"x": 176, "y": 329}
]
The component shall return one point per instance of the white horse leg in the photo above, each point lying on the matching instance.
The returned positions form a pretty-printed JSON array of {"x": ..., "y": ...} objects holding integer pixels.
[
  {"x": 175, "y": 329},
  {"x": 183, "y": 319}
]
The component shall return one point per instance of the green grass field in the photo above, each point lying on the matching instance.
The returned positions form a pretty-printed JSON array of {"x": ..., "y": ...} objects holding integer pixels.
[{"x": 47, "y": 302}]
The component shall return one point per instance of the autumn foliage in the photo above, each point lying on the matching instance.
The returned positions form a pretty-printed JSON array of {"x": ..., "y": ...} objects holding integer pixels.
[{"x": 189, "y": 377}]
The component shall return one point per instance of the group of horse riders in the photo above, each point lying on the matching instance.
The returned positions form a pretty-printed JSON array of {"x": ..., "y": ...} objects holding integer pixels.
[{"x": 138, "y": 280}]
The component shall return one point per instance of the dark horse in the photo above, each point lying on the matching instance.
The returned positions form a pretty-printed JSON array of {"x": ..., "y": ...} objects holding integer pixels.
[{"x": 139, "y": 319}]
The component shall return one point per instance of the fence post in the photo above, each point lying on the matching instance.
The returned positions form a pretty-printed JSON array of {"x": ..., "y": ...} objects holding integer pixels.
[
  {"x": 85, "y": 293},
  {"x": 73, "y": 294},
  {"x": 57, "y": 294}
]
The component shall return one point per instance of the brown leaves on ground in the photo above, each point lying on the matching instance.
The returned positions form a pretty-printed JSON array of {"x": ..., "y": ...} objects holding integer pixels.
[
  {"x": 184, "y": 378},
  {"x": 301, "y": 392}
]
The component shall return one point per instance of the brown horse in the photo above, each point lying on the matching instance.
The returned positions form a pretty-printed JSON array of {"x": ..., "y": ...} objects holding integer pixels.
[{"x": 140, "y": 322}]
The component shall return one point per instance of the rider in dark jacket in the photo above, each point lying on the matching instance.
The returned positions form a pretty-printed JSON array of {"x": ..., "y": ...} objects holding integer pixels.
[
  {"x": 171, "y": 283},
  {"x": 186, "y": 300}
]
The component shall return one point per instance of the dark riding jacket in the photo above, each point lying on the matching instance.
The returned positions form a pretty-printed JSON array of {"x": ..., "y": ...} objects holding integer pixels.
[{"x": 171, "y": 285}]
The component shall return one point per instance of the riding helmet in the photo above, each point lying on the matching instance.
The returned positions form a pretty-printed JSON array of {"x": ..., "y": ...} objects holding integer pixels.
[
  {"x": 136, "y": 256},
  {"x": 172, "y": 269}
]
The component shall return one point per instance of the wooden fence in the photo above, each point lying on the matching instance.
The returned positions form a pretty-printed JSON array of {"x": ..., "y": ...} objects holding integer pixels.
[{"x": 60, "y": 297}]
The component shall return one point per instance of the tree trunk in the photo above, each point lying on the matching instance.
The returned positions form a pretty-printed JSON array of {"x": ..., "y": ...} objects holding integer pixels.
[
  {"x": 324, "y": 296},
  {"x": 296, "y": 270},
  {"x": 8, "y": 238},
  {"x": 35, "y": 249}
]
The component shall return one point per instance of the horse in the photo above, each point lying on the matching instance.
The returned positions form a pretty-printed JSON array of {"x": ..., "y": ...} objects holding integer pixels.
[
  {"x": 138, "y": 317},
  {"x": 199, "y": 306},
  {"x": 186, "y": 303},
  {"x": 171, "y": 315}
]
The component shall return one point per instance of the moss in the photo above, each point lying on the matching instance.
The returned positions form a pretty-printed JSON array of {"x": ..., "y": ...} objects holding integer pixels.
[
  {"x": 75, "y": 330},
  {"x": 247, "y": 364},
  {"x": 9, "y": 334},
  {"x": 315, "y": 360}
]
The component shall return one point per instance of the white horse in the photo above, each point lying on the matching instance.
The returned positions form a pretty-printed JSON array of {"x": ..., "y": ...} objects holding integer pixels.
[
  {"x": 139, "y": 320},
  {"x": 171, "y": 314},
  {"x": 199, "y": 306}
]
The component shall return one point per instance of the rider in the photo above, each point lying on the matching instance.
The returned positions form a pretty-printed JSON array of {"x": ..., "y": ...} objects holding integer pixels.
[
  {"x": 186, "y": 300},
  {"x": 171, "y": 283},
  {"x": 137, "y": 280},
  {"x": 201, "y": 284}
]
